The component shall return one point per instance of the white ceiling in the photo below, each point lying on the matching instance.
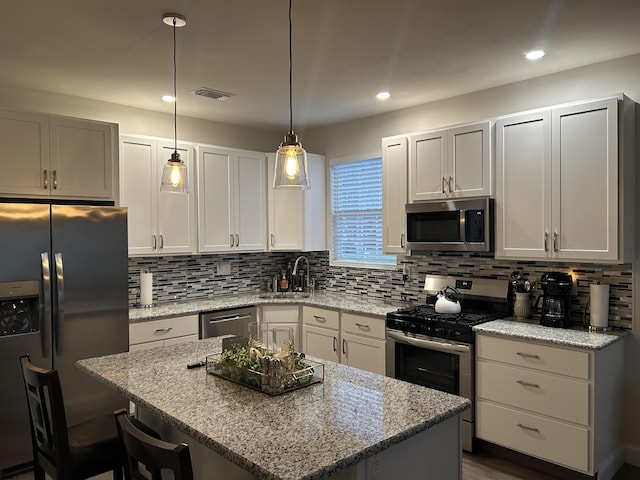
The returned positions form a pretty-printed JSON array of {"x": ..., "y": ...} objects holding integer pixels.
[{"x": 345, "y": 51}]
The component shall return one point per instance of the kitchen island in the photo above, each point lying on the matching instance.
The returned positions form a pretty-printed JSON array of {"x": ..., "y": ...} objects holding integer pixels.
[{"x": 355, "y": 424}]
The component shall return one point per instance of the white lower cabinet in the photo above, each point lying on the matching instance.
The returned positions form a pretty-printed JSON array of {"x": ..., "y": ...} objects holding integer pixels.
[
  {"x": 363, "y": 342},
  {"x": 556, "y": 403},
  {"x": 277, "y": 322},
  {"x": 354, "y": 340},
  {"x": 321, "y": 333},
  {"x": 163, "y": 332}
]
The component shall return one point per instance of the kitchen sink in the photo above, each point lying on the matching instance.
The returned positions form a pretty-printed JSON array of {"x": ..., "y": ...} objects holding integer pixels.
[{"x": 286, "y": 295}]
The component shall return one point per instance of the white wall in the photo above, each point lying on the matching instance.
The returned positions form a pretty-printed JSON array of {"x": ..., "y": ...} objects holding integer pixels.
[
  {"x": 593, "y": 81},
  {"x": 363, "y": 136},
  {"x": 138, "y": 121}
]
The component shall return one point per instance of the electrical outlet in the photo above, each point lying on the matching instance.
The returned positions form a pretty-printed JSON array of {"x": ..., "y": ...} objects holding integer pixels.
[{"x": 224, "y": 268}]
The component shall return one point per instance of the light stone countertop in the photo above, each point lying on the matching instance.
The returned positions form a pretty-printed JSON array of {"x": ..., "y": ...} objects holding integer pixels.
[
  {"x": 345, "y": 303},
  {"x": 567, "y": 337},
  {"x": 316, "y": 431}
]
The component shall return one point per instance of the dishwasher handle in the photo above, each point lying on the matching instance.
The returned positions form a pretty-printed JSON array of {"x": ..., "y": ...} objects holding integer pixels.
[{"x": 227, "y": 318}]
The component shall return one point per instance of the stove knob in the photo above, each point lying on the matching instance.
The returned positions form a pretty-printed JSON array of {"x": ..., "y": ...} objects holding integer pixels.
[{"x": 440, "y": 331}]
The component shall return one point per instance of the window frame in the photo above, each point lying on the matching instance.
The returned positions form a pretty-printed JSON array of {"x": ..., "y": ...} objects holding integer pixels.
[{"x": 332, "y": 261}]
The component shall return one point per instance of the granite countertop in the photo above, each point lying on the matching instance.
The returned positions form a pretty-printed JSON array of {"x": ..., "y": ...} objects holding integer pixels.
[
  {"x": 568, "y": 337},
  {"x": 349, "y": 417},
  {"x": 345, "y": 303}
]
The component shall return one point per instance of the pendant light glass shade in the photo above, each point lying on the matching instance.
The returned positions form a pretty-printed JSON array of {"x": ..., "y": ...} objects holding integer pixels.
[
  {"x": 174, "y": 174},
  {"x": 291, "y": 159},
  {"x": 291, "y": 164}
]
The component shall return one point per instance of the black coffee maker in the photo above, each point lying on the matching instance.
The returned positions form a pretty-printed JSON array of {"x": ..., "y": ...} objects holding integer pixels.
[{"x": 556, "y": 300}]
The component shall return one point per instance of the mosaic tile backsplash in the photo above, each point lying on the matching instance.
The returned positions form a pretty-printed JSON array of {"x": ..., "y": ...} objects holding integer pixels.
[{"x": 197, "y": 276}]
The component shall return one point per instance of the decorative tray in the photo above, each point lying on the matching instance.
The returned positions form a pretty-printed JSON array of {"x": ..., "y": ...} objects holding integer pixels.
[{"x": 273, "y": 373}]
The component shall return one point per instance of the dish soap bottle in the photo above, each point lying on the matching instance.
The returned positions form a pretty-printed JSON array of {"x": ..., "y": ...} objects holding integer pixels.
[{"x": 284, "y": 282}]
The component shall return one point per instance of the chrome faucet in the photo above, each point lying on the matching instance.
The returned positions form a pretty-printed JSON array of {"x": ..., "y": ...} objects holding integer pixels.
[{"x": 295, "y": 270}]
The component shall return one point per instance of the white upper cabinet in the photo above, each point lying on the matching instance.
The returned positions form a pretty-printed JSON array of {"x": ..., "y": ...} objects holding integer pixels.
[
  {"x": 231, "y": 200},
  {"x": 297, "y": 218},
  {"x": 58, "y": 156},
  {"x": 394, "y": 194},
  {"x": 523, "y": 185},
  {"x": 451, "y": 163},
  {"x": 160, "y": 223},
  {"x": 557, "y": 184}
]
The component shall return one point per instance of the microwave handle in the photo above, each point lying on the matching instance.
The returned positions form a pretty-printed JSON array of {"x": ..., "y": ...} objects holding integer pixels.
[{"x": 463, "y": 227}]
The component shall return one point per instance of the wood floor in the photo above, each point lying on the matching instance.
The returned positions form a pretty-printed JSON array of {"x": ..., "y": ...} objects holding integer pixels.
[
  {"x": 480, "y": 466},
  {"x": 488, "y": 466}
]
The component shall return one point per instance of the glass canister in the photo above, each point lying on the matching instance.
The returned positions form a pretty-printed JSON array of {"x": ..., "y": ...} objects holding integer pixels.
[{"x": 522, "y": 305}]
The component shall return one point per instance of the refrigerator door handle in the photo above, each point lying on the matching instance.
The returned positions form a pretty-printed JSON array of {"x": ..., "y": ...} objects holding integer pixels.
[
  {"x": 45, "y": 306},
  {"x": 59, "y": 304}
]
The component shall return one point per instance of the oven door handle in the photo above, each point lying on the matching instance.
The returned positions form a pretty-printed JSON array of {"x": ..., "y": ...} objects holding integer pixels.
[{"x": 431, "y": 344}]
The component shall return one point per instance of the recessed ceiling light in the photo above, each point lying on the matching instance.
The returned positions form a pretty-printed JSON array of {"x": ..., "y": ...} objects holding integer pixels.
[
  {"x": 383, "y": 95},
  {"x": 168, "y": 98},
  {"x": 534, "y": 55}
]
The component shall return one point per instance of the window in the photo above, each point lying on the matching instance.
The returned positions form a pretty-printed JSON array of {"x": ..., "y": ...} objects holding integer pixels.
[{"x": 356, "y": 213}]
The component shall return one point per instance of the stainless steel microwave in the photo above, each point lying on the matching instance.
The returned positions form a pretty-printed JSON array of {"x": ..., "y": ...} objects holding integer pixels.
[{"x": 451, "y": 225}]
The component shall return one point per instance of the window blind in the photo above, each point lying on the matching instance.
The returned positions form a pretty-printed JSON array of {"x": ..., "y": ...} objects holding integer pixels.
[{"x": 356, "y": 213}]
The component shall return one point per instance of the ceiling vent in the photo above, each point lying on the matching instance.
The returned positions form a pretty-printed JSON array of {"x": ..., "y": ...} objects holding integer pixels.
[{"x": 211, "y": 93}]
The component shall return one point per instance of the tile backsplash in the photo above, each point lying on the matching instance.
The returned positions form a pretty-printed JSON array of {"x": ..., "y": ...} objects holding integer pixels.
[{"x": 193, "y": 277}]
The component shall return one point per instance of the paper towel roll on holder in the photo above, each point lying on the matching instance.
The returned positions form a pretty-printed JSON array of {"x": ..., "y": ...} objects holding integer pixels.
[{"x": 140, "y": 305}]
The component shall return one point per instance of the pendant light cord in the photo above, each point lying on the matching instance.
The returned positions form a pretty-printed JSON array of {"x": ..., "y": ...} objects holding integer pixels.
[
  {"x": 175, "y": 95},
  {"x": 290, "y": 73}
]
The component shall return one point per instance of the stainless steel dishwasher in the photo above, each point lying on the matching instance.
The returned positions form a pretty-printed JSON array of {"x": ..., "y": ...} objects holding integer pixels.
[{"x": 232, "y": 321}]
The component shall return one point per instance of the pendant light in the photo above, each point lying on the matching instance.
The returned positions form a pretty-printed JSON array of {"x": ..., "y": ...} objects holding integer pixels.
[
  {"x": 291, "y": 159},
  {"x": 174, "y": 174}
]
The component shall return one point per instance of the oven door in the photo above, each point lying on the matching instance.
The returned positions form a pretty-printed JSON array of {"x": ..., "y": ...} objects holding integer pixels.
[{"x": 434, "y": 363}]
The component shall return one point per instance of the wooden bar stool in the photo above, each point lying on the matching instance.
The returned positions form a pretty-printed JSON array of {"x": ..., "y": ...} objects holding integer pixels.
[
  {"x": 154, "y": 454},
  {"x": 66, "y": 453}
]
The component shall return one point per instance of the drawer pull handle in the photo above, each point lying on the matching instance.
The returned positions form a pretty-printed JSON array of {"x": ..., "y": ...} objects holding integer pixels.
[
  {"x": 527, "y": 384},
  {"x": 164, "y": 330},
  {"x": 531, "y": 429},
  {"x": 319, "y": 319},
  {"x": 527, "y": 355},
  {"x": 363, "y": 326}
]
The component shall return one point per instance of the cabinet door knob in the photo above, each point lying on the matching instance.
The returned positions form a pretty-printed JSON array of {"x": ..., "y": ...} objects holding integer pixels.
[
  {"x": 402, "y": 240},
  {"x": 45, "y": 179},
  {"x": 344, "y": 346},
  {"x": 273, "y": 240},
  {"x": 443, "y": 183},
  {"x": 450, "y": 184},
  {"x": 155, "y": 243},
  {"x": 161, "y": 241},
  {"x": 555, "y": 241},
  {"x": 237, "y": 240},
  {"x": 231, "y": 240},
  {"x": 335, "y": 344},
  {"x": 54, "y": 174}
]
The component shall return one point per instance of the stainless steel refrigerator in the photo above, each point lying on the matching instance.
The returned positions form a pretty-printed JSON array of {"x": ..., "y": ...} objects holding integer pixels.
[{"x": 63, "y": 297}]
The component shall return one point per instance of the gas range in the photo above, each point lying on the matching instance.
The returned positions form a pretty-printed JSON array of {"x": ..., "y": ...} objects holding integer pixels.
[
  {"x": 481, "y": 300},
  {"x": 424, "y": 320}
]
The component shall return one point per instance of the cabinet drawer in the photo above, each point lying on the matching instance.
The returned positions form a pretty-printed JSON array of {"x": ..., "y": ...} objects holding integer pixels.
[
  {"x": 533, "y": 355},
  {"x": 321, "y": 317},
  {"x": 163, "y": 329},
  {"x": 361, "y": 325},
  {"x": 558, "y": 397},
  {"x": 544, "y": 438}
]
